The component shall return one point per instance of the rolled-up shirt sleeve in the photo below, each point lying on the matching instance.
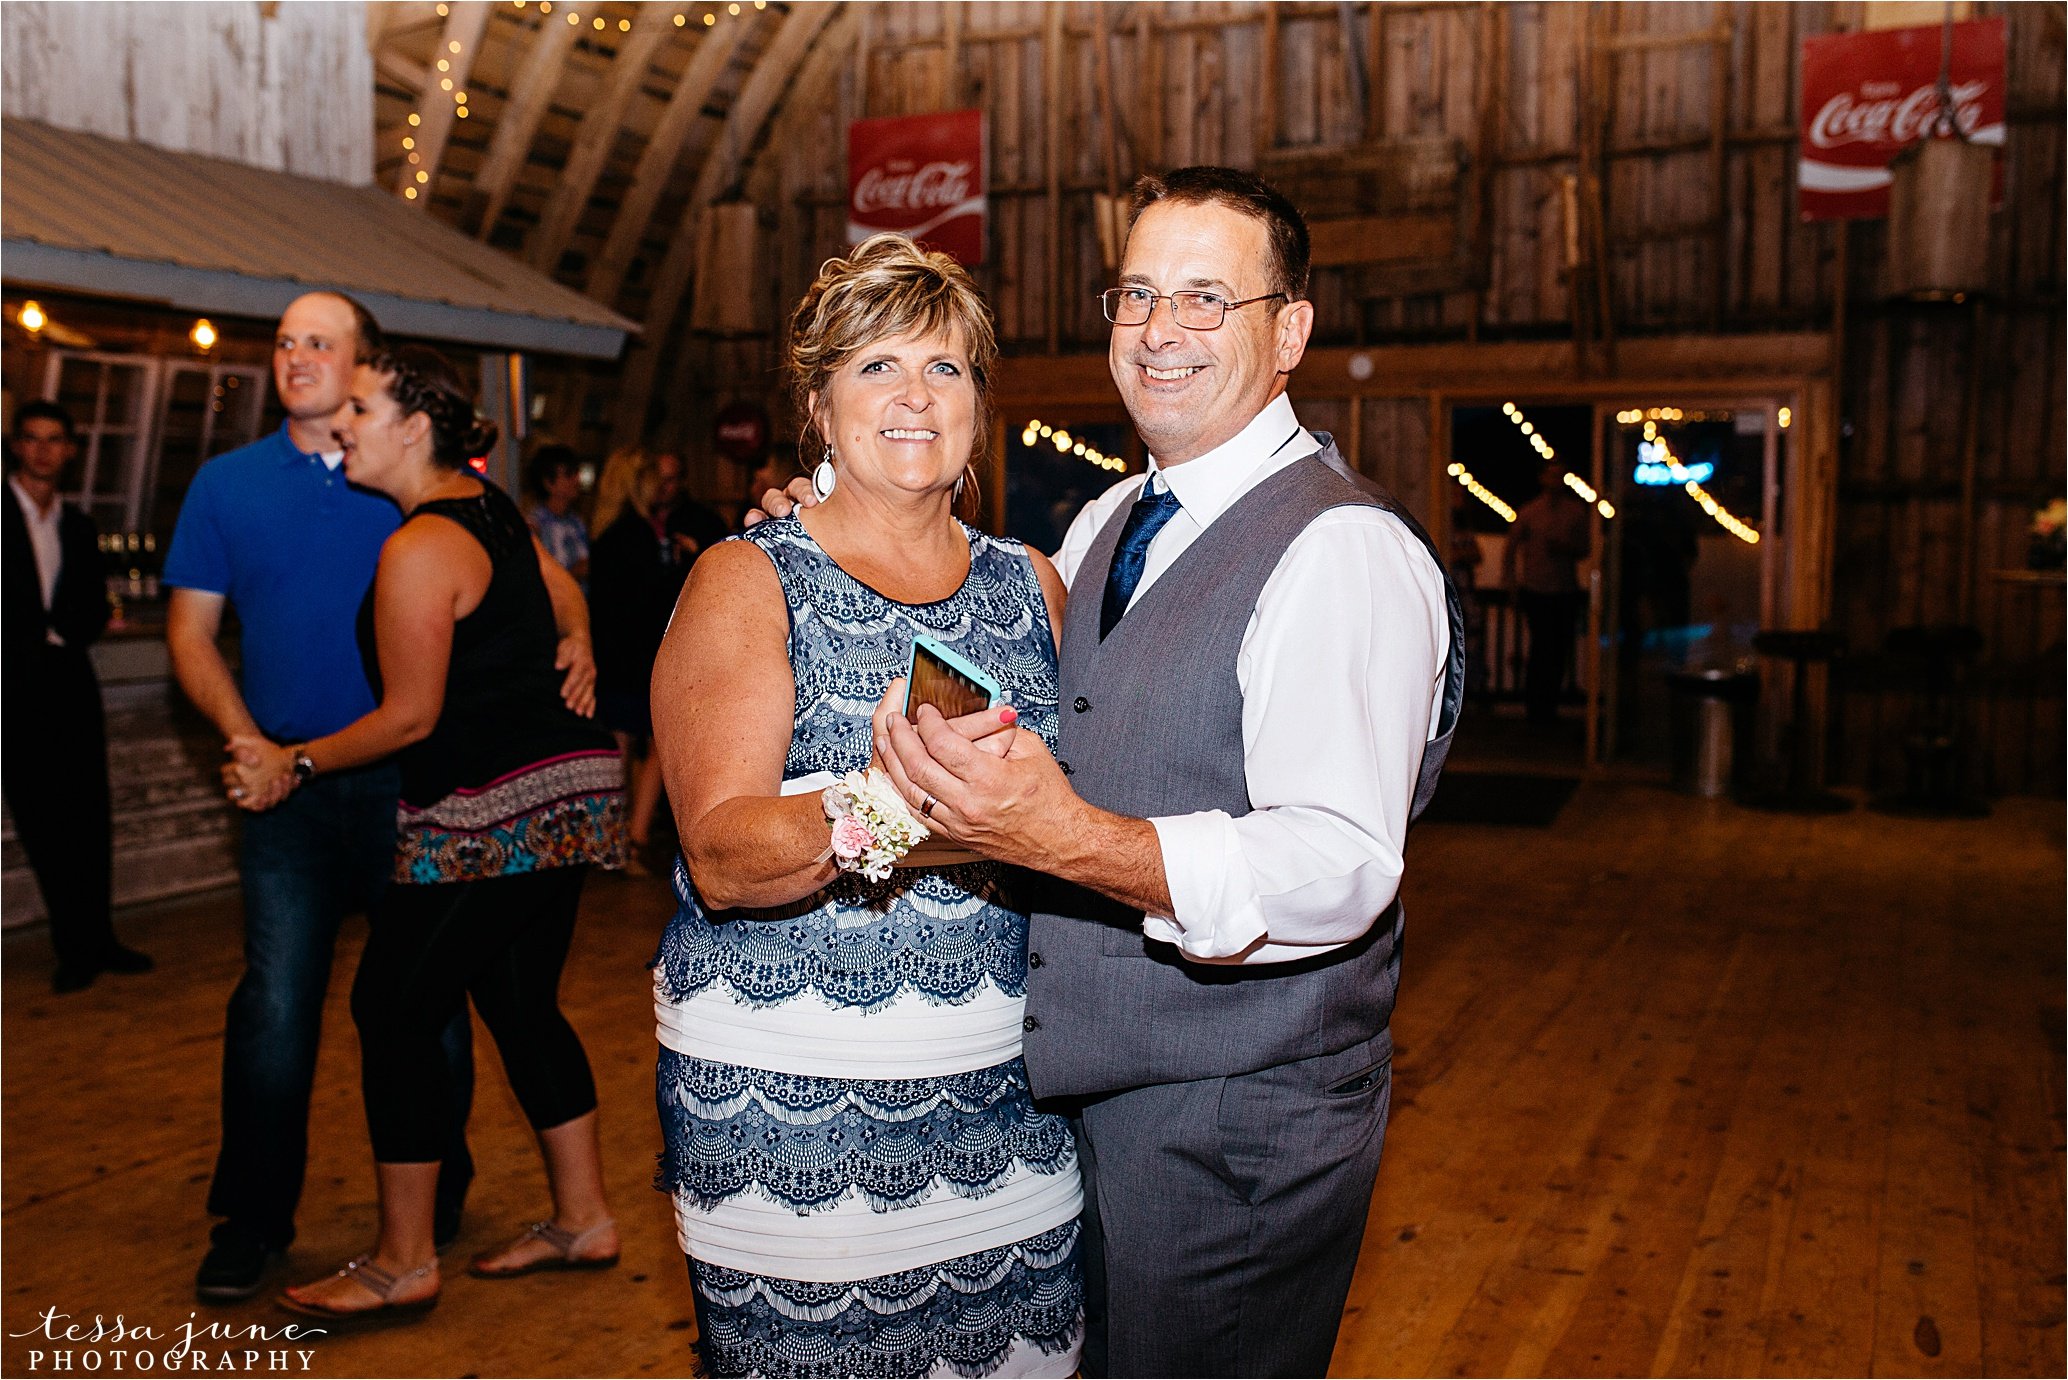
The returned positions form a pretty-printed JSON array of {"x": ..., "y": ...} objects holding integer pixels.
[{"x": 1341, "y": 672}]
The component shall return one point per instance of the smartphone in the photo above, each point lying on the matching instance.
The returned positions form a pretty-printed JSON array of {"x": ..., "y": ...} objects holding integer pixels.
[{"x": 939, "y": 676}]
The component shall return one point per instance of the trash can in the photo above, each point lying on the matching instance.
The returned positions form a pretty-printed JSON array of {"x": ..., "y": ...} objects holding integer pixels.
[{"x": 1712, "y": 729}]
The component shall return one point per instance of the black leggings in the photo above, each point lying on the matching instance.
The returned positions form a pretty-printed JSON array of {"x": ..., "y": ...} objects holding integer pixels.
[{"x": 504, "y": 941}]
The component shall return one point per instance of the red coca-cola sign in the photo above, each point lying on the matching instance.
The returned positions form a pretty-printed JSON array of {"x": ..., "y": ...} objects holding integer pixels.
[
  {"x": 1867, "y": 96},
  {"x": 922, "y": 176}
]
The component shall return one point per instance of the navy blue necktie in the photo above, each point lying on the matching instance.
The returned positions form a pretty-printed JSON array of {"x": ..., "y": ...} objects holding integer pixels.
[{"x": 1144, "y": 521}]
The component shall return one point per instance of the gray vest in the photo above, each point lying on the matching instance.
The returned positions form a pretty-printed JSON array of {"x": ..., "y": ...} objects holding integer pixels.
[{"x": 1151, "y": 724}]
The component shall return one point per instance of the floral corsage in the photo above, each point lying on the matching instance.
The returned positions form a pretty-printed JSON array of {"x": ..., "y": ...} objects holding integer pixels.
[{"x": 872, "y": 825}]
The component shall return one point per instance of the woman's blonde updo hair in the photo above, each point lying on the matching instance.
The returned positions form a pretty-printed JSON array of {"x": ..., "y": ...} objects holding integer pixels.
[{"x": 887, "y": 286}]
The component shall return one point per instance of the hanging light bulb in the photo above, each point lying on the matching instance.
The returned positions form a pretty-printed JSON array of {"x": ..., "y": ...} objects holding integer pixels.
[
  {"x": 31, "y": 317},
  {"x": 203, "y": 335}
]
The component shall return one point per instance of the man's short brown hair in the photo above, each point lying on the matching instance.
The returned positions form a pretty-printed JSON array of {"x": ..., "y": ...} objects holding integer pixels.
[{"x": 1243, "y": 192}]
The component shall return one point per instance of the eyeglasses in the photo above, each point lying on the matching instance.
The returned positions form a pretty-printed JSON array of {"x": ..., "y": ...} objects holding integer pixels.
[{"x": 1195, "y": 311}]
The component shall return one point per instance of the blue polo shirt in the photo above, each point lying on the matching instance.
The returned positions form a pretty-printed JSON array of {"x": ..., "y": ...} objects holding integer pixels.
[{"x": 293, "y": 547}]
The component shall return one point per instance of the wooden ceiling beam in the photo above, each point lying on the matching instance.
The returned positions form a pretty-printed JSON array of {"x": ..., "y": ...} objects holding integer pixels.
[
  {"x": 464, "y": 25},
  {"x": 742, "y": 132},
  {"x": 596, "y": 135},
  {"x": 663, "y": 151},
  {"x": 530, "y": 93}
]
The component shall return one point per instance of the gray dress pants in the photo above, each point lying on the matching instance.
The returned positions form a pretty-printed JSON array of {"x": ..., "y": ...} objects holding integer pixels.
[{"x": 1222, "y": 1217}]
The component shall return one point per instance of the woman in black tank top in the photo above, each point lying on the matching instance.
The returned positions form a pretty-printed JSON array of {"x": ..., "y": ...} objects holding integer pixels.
[{"x": 509, "y": 793}]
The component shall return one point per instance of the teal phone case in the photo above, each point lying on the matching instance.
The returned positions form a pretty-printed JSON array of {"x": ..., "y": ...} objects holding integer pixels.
[{"x": 955, "y": 661}]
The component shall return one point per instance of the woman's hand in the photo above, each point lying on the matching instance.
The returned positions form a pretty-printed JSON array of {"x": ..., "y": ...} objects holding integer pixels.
[
  {"x": 259, "y": 773},
  {"x": 578, "y": 660},
  {"x": 990, "y": 729}
]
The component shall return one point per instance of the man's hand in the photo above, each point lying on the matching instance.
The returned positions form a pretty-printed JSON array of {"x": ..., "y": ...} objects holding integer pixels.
[
  {"x": 779, "y": 503},
  {"x": 258, "y": 774},
  {"x": 1018, "y": 808},
  {"x": 578, "y": 687}
]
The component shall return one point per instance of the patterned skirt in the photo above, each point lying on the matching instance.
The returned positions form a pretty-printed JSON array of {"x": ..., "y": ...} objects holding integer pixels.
[{"x": 556, "y": 813}]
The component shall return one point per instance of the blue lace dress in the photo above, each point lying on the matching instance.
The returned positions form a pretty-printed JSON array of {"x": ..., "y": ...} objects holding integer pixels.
[{"x": 861, "y": 1181}]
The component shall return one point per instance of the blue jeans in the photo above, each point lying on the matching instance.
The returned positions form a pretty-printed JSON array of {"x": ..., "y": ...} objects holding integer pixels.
[{"x": 323, "y": 853}]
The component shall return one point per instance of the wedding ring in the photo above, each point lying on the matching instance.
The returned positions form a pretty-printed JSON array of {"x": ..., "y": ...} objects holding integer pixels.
[
  {"x": 236, "y": 793},
  {"x": 926, "y": 810}
]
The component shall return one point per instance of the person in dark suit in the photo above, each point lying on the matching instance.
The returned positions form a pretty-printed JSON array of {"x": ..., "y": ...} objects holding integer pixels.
[{"x": 54, "y": 767}]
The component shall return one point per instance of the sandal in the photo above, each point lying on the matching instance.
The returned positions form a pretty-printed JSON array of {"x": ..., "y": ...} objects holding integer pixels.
[
  {"x": 382, "y": 1284},
  {"x": 564, "y": 1244}
]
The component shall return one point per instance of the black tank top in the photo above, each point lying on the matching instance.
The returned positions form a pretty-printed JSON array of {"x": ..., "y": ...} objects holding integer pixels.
[{"x": 502, "y": 707}]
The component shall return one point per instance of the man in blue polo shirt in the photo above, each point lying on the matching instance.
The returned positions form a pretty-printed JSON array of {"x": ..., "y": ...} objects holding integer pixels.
[{"x": 273, "y": 529}]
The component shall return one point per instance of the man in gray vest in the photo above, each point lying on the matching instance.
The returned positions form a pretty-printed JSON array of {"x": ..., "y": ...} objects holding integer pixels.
[{"x": 1261, "y": 664}]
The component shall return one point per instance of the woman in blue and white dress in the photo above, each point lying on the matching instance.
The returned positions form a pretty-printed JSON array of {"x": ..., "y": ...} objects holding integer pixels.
[{"x": 861, "y": 1181}]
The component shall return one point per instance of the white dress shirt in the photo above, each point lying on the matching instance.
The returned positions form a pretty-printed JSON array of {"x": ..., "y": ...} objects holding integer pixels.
[
  {"x": 1341, "y": 669},
  {"x": 44, "y": 539}
]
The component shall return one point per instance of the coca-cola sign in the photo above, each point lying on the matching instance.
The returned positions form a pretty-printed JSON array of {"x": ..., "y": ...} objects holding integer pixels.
[
  {"x": 922, "y": 176},
  {"x": 1867, "y": 96}
]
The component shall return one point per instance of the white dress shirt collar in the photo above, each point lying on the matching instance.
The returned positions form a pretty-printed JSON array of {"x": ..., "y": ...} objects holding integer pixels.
[{"x": 1206, "y": 485}]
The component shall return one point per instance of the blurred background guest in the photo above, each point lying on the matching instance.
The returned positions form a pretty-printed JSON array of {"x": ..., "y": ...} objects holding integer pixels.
[
  {"x": 55, "y": 770},
  {"x": 637, "y": 564},
  {"x": 1552, "y": 534},
  {"x": 556, "y": 477}
]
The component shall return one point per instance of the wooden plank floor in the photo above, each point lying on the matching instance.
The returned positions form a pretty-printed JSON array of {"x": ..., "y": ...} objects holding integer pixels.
[{"x": 1681, "y": 1090}]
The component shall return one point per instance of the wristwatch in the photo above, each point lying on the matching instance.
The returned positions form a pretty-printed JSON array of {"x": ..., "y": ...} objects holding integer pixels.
[{"x": 304, "y": 765}]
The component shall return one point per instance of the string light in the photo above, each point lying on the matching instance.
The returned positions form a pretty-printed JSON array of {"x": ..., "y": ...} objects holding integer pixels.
[
  {"x": 409, "y": 192},
  {"x": 598, "y": 22},
  {"x": 445, "y": 84},
  {"x": 624, "y": 26},
  {"x": 443, "y": 11},
  {"x": 443, "y": 65},
  {"x": 1480, "y": 491},
  {"x": 407, "y": 142},
  {"x": 203, "y": 335},
  {"x": 1722, "y": 515},
  {"x": 461, "y": 112},
  {"x": 680, "y": 21},
  {"x": 460, "y": 96},
  {"x": 1544, "y": 448},
  {"x": 709, "y": 20},
  {"x": 415, "y": 119},
  {"x": 1787, "y": 416},
  {"x": 453, "y": 46},
  {"x": 31, "y": 317},
  {"x": 1036, "y": 431},
  {"x": 422, "y": 176}
]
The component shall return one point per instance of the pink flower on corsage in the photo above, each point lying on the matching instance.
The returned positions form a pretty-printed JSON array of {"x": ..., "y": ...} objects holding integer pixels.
[
  {"x": 851, "y": 837},
  {"x": 872, "y": 826}
]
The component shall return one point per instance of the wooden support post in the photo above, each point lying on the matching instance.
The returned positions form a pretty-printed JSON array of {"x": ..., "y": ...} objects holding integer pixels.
[
  {"x": 435, "y": 105},
  {"x": 1493, "y": 89},
  {"x": 657, "y": 162},
  {"x": 1970, "y": 442},
  {"x": 1149, "y": 59},
  {"x": 865, "y": 16},
  {"x": 1109, "y": 110},
  {"x": 596, "y": 135},
  {"x": 530, "y": 93},
  {"x": 1267, "y": 84},
  {"x": 1052, "y": 86},
  {"x": 951, "y": 56},
  {"x": 1375, "y": 89},
  {"x": 1356, "y": 89},
  {"x": 1719, "y": 118}
]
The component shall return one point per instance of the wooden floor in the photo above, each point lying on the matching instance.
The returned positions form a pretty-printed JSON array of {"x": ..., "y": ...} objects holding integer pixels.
[{"x": 1681, "y": 1090}]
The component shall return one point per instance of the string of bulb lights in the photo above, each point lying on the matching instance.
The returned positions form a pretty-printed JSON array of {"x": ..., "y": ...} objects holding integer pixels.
[
  {"x": 1036, "y": 431},
  {"x": 454, "y": 49},
  {"x": 1543, "y": 448}
]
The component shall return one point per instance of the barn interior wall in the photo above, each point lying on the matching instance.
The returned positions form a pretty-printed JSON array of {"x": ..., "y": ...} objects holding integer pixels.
[{"x": 1606, "y": 171}]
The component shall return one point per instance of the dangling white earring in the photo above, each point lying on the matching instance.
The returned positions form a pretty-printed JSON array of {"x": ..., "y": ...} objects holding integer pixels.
[
  {"x": 823, "y": 478},
  {"x": 961, "y": 483}
]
